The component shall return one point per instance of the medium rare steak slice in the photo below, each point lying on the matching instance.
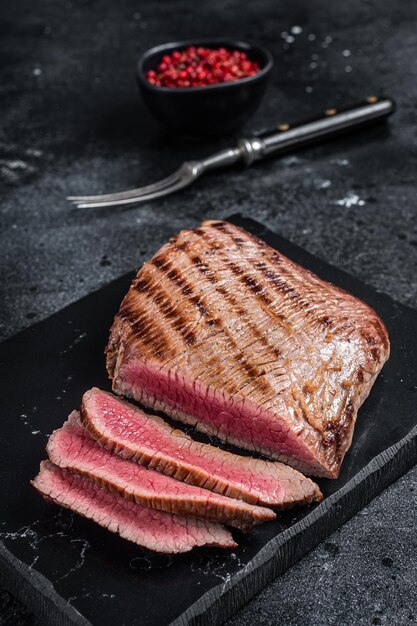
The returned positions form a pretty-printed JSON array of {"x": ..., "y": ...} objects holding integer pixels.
[
  {"x": 149, "y": 440},
  {"x": 223, "y": 332},
  {"x": 72, "y": 447},
  {"x": 150, "y": 529}
]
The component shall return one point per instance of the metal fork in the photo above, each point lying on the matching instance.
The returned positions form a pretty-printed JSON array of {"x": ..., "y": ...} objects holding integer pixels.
[{"x": 277, "y": 140}]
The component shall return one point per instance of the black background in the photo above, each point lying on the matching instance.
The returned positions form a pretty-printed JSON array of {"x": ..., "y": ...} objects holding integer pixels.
[{"x": 72, "y": 122}]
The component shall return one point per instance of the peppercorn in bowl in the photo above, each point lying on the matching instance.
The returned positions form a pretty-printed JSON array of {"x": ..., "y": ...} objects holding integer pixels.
[{"x": 206, "y": 88}]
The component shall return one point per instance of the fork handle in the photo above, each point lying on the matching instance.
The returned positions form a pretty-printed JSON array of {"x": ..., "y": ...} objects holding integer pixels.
[{"x": 330, "y": 123}]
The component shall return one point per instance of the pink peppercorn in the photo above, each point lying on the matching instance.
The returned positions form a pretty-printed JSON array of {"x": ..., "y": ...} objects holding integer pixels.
[{"x": 199, "y": 67}]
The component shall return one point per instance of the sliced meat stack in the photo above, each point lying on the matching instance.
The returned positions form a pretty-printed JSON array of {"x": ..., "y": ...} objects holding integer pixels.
[
  {"x": 223, "y": 332},
  {"x": 72, "y": 448},
  {"x": 147, "y": 439},
  {"x": 146, "y": 527},
  {"x": 135, "y": 475}
]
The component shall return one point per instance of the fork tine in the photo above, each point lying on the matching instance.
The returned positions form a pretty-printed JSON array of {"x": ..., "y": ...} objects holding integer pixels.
[
  {"x": 126, "y": 195},
  {"x": 134, "y": 199}
]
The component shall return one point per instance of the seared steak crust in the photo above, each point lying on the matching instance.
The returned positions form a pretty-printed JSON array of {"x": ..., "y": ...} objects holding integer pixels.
[{"x": 221, "y": 331}]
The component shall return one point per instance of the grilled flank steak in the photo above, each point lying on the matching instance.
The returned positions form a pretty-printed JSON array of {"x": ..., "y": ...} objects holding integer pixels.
[{"x": 223, "y": 332}]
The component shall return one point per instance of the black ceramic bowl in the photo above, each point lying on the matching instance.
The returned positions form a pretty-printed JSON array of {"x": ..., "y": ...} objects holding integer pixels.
[{"x": 211, "y": 111}]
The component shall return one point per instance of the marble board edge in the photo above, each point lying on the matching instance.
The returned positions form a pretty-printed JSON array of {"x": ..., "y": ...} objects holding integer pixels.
[{"x": 36, "y": 592}]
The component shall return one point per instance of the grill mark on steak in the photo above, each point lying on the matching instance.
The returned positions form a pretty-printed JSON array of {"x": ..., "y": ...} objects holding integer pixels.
[
  {"x": 168, "y": 309},
  {"x": 258, "y": 290},
  {"x": 300, "y": 406},
  {"x": 252, "y": 371},
  {"x": 255, "y": 375},
  {"x": 251, "y": 283},
  {"x": 295, "y": 398},
  {"x": 278, "y": 282},
  {"x": 203, "y": 268},
  {"x": 287, "y": 268},
  {"x": 145, "y": 330},
  {"x": 244, "y": 315},
  {"x": 223, "y": 227},
  {"x": 254, "y": 286},
  {"x": 336, "y": 430},
  {"x": 246, "y": 280},
  {"x": 282, "y": 286},
  {"x": 165, "y": 266}
]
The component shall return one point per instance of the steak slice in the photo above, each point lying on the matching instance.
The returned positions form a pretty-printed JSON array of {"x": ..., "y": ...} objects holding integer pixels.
[
  {"x": 148, "y": 440},
  {"x": 72, "y": 448},
  {"x": 148, "y": 528},
  {"x": 223, "y": 332}
]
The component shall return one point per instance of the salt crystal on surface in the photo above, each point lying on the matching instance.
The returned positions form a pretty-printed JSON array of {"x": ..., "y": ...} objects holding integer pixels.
[
  {"x": 327, "y": 40},
  {"x": 351, "y": 199},
  {"x": 323, "y": 184},
  {"x": 33, "y": 152}
]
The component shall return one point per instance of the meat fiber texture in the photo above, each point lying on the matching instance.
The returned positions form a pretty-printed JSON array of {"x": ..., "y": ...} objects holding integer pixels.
[
  {"x": 155, "y": 530},
  {"x": 72, "y": 448},
  {"x": 149, "y": 440},
  {"x": 224, "y": 333}
]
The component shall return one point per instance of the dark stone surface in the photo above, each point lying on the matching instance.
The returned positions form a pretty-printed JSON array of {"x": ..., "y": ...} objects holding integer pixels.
[
  {"x": 363, "y": 574},
  {"x": 72, "y": 122}
]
